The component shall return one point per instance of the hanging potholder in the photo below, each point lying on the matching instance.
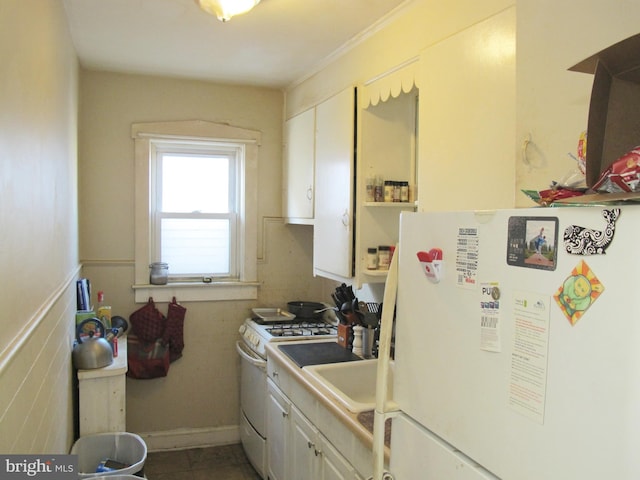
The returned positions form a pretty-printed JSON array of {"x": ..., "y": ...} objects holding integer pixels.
[
  {"x": 174, "y": 331},
  {"x": 147, "y": 322}
]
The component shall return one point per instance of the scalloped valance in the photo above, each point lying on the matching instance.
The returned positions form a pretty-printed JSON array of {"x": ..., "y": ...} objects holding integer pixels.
[{"x": 392, "y": 83}]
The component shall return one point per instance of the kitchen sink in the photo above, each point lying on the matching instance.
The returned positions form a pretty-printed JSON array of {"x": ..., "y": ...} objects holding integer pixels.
[{"x": 353, "y": 384}]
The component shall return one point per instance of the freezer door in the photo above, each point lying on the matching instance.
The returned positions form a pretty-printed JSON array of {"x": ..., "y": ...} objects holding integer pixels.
[{"x": 417, "y": 453}]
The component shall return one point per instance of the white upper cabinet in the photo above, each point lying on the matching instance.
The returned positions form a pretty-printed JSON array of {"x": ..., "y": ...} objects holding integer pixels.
[
  {"x": 299, "y": 156},
  {"x": 334, "y": 184}
]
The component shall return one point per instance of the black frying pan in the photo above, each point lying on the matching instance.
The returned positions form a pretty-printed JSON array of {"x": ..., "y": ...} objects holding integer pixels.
[{"x": 305, "y": 309}]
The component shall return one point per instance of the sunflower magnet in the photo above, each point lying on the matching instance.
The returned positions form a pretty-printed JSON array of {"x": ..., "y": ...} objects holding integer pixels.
[{"x": 578, "y": 292}]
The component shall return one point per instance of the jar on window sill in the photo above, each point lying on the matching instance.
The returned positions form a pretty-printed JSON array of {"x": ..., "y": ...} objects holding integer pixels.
[{"x": 159, "y": 273}]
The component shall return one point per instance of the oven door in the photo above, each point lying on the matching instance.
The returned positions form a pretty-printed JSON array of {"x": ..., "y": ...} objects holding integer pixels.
[
  {"x": 253, "y": 387},
  {"x": 253, "y": 395}
]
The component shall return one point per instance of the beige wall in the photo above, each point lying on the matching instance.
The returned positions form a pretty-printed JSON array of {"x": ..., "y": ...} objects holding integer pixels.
[
  {"x": 413, "y": 28},
  {"x": 199, "y": 400},
  {"x": 553, "y": 103},
  {"x": 38, "y": 225}
]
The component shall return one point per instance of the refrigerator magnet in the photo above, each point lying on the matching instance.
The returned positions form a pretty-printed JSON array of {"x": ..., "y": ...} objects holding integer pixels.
[
  {"x": 531, "y": 242},
  {"x": 578, "y": 292},
  {"x": 588, "y": 241},
  {"x": 431, "y": 263}
]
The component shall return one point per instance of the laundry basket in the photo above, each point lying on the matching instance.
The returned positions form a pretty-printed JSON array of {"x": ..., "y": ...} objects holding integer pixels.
[{"x": 122, "y": 447}]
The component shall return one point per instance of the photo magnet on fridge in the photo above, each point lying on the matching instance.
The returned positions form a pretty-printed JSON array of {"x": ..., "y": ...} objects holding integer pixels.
[{"x": 531, "y": 242}]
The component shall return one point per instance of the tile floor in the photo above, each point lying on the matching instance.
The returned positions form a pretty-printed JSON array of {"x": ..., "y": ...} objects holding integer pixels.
[{"x": 227, "y": 462}]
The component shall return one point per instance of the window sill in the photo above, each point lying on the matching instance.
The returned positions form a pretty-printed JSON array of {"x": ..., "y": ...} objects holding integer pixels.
[{"x": 197, "y": 292}]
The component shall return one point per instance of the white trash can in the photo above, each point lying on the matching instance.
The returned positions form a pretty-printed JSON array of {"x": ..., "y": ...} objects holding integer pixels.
[
  {"x": 117, "y": 477},
  {"x": 121, "y": 447}
]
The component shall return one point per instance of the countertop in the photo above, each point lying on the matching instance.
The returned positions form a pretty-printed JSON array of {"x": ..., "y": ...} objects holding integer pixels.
[
  {"x": 119, "y": 366},
  {"x": 324, "y": 396}
]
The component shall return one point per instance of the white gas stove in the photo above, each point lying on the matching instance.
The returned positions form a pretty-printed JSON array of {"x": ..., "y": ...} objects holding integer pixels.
[{"x": 256, "y": 332}]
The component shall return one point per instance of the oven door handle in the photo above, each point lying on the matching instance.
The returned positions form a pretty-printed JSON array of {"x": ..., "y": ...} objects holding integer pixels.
[{"x": 250, "y": 357}]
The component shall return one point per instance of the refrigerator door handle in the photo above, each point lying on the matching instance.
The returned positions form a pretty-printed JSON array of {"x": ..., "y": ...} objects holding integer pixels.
[{"x": 382, "y": 376}]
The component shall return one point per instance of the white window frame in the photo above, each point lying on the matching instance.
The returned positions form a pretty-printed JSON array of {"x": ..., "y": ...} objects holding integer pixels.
[{"x": 146, "y": 136}]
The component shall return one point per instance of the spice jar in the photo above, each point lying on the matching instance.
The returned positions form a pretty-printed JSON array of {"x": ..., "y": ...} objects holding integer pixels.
[
  {"x": 371, "y": 187},
  {"x": 396, "y": 191},
  {"x": 388, "y": 191},
  {"x": 404, "y": 191},
  {"x": 378, "y": 192},
  {"x": 372, "y": 258},
  {"x": 159, "y": 273},
  {"x": 384, "y": 257}
]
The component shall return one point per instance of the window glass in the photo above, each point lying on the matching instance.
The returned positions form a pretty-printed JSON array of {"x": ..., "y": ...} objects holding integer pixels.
[
  {"x": 195, "y": 183},
  {"x": 196, "y": 246},
  {"x": 195, "y": 209}
]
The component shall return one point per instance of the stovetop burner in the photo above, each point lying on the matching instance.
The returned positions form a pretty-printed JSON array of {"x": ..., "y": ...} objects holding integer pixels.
[
  {"x": 301, "y": 328},
  {"x": 293, "y": 321}
]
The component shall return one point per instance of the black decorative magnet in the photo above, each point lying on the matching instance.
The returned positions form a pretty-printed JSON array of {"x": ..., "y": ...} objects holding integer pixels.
[{"x": 587, "y": 241}]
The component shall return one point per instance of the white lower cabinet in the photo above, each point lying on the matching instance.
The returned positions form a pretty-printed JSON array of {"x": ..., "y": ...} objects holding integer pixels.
[
  {"x": 297, "y": 449},
  {"x": 313, "y": 456},
  {"x": 304, "y": 448},
  {"x": 278, "y": 411},
  {"x": 333, "y": 465}
]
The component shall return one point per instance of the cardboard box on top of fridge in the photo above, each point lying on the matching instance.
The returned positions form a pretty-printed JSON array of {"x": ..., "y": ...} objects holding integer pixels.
[{"x": 614, "y": 112}]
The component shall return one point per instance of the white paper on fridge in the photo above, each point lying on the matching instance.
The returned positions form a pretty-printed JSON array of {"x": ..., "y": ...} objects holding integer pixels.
[
  {"x": 467, "y": 246},
  {"x": 490, "y": 317},
  {"x": 528, "y": 372}
]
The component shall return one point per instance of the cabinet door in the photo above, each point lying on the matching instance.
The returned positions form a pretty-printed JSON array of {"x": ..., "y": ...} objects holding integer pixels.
[
  {"x": 304, "y": 451},
  {"x": 278, "y": 408},
  {"x": 299, "y": 167},
  {"x": 334, "y": 180},
  {"x": 333, "y": 465}
]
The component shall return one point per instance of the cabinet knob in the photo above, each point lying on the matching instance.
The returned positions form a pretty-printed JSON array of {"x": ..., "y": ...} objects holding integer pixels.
[
  {"x": 284, "y": 414},
  {"x": 311, "y": 444},
  {"x": 310, "y": 193},
  {"x": 274, "y": 374}
]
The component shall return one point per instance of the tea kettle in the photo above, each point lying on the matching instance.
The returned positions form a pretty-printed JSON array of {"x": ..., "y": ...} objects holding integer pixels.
[{"x": 91, "y": 351}]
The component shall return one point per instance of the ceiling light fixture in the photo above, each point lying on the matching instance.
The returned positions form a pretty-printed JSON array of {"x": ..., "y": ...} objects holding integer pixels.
[{"x": 225, "y": 9}]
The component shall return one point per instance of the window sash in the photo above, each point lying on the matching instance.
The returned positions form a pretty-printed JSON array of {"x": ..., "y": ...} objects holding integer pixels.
[
  {"x": 211, "y": 149},
  {"x": 231, "y": 260}
]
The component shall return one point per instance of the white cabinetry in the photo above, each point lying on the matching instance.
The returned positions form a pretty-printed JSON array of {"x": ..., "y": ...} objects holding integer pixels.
[
  {"x": 299, "y": 133},
  {"x": 387, "y": 150},
  {"x": 384, "y": 137},
  {"x": 334, "y": 183},
  {"x": 333, "y": 465},
  {"x": 312, "y": 455},
  {"x": 297, "y": 447},
  {"x": 278, "y": 411},
  {"x": 105, "y": 387},
  {"x": 304, "y": 448}
]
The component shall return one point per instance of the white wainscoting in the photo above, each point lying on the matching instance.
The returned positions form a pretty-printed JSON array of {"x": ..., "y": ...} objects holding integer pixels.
[{"x": 36, "y": 378}]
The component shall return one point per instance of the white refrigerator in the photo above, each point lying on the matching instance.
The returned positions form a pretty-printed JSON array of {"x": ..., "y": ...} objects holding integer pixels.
[{"x": 517, "y": 345}]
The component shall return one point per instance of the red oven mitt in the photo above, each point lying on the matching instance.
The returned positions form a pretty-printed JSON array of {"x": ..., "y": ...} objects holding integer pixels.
[
  {"x": 147, "y": 323},
  {"x": 174, "y": 332}
]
